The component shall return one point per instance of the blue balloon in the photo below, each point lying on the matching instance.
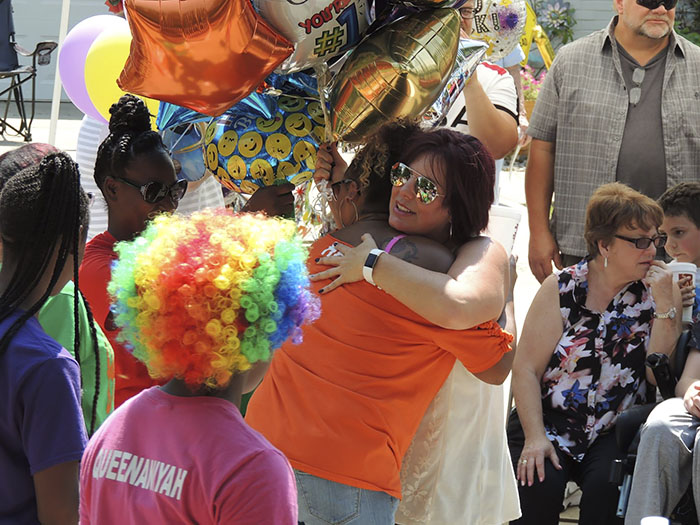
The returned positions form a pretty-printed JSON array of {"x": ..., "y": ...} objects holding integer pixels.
[{"x": 186, "y": 146}]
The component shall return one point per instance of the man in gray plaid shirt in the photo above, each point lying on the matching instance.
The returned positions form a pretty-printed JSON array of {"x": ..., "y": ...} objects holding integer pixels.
[{"x": 620, "y": 104}]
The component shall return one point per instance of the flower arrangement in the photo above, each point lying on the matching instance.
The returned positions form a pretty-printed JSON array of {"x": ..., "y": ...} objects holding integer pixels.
[
  {"x": 115, "y": 6},
  {"x": 557, "y": 19},
  {"x": 688, "y": 20},
  {"x": 531, "y": 82}
]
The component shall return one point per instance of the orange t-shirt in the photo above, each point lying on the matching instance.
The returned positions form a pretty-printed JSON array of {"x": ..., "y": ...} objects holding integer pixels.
[
  {"x": 131, "y": 375},
  {"x": 345, "y": 403}
]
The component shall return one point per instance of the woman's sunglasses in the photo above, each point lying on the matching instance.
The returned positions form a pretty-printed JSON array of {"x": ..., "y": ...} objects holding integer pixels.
[
  {"x": 426, "y": 189},
  {"x": 653, "y": 4},
  {"x": 642, "y": 243},
  {"x": 154, "y": 192}
]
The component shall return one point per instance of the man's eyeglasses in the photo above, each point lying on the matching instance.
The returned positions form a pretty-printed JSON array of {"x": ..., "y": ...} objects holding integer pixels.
[
  {"x": 335, "y": 186},
  {"x": 426, "y": 189},
  {"x": 653, "y": 4},
  {"x": 467, "y": 13},
  {"x": 153, "y": 192},
  {"x": 642, "y": 243}
]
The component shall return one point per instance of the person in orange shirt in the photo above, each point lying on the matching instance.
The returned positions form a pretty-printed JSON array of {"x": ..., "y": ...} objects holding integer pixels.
[{"x": 344, "y": 405}]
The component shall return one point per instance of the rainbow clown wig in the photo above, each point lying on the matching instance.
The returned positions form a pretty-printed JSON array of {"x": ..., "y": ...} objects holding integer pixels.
[{"x": 200, "y": 298}]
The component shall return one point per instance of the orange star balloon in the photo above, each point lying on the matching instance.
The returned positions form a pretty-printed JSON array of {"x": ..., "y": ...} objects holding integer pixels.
[{"x": 205, "y": 55}]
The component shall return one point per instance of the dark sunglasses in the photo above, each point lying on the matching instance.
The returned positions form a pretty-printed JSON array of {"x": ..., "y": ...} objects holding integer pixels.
[
  {"x": 642, "y": 243},
  {"x": 653, "y": 4},
  {"x": 426, "y": 189},
  {"x": 336, "y": 186},
  {"x": 153, "y": 192}
]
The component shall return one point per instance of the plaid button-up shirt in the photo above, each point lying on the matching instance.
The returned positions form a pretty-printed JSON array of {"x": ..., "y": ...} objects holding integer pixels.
[{"x": 582, "y": 108}]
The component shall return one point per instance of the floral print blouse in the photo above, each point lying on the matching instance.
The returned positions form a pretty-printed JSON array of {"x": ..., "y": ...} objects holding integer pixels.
[{"x": 597, "y": 369}]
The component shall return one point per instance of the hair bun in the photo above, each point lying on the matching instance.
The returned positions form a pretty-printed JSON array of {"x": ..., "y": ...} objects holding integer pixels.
[{"x": 129, "y": 115}]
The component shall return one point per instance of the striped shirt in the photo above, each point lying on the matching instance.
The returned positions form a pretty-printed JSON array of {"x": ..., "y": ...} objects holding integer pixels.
[{"x": 582, "y": 107}]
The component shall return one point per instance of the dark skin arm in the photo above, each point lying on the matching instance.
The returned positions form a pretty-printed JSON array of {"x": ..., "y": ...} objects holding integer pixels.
[
  {"x": 57, "y": 494},
  {"x": 275, "y": 200}
]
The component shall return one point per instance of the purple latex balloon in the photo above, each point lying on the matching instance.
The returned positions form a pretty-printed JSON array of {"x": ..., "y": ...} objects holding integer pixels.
[{"x": 72, "y": 55}]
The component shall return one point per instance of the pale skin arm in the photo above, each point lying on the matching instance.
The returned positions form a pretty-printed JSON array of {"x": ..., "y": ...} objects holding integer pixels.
[
  {"x": 496, "y": 129},
  {"x": 523, "y": 137},
  {"x": 57, "y": 494},
  {"x": 542, "y": 330},
  {"x": 472, "y": 292},
  {"x": 664, "y": 332},
  {"x": 539, "y": 188}
]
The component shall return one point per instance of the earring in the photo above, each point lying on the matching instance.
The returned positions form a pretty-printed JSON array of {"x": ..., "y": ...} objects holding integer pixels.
[
  {"x": 357, "y": 215},
  {"x": 450, "y": 230},
  {"x": 605, "y": 262}
]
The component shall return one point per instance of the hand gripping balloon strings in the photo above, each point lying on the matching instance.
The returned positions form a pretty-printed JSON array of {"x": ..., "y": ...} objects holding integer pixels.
[
  {"x": 205, "y": 297},
  {"x": 325, "y": 192}
]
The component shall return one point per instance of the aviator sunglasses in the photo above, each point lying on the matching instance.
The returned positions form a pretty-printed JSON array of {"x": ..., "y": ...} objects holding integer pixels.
[
  {"x": 653, "y": 4},
  {"x": 153, "y": 192},
  {"x": 426, "y": 189},
  {"x": 642, "y": 243}
]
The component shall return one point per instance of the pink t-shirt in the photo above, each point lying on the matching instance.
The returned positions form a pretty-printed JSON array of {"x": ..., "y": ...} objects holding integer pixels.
[{"x": 161, "y": 458}]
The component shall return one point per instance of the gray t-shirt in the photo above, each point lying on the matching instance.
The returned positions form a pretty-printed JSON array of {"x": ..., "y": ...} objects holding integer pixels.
[{"x": 642, "y": 161}]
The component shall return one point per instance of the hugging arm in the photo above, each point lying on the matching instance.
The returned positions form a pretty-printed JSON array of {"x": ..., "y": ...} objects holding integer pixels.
[{"x": 472, "y": 292}]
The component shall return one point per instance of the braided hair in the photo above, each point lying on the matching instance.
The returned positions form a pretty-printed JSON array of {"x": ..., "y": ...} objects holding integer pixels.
[
  {"x": 42, "y": 211},
  {"x": 130, "y": 135}
]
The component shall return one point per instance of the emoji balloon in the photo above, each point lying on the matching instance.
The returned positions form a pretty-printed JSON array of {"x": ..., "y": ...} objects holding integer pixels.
[
  {"x": 320, "y": 29},
  {"x": 205, "y": 55},
  {"x": 246, "y": 152},
  {"x": 398, "y": 71}
]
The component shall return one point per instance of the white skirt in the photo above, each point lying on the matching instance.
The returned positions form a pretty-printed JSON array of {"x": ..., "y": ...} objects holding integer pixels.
[{"x": 458, "y": 468}]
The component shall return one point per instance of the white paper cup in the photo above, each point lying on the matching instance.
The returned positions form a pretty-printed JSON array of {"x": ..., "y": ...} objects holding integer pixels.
[
  {"x": 654, "y": 520},
  {"x": 680, "y": 270}
]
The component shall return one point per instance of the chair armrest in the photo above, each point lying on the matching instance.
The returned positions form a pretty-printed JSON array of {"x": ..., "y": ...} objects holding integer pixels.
[
  {"x": 21, "y": 50},
  {"x": 41, "y": 54}
]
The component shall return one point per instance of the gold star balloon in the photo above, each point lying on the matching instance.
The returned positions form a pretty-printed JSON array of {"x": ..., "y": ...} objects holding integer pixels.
[
  {"x": 398, "y": 71},
  {"x": 205, "y": 55}
]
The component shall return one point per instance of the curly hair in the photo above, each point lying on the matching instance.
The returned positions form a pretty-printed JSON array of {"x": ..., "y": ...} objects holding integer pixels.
[
  {"x": 682, "y": 199},
  {"x": 130, "y": 135},
  {"x": 204, "y": 297},
  {"x": 373, "y": 162}
]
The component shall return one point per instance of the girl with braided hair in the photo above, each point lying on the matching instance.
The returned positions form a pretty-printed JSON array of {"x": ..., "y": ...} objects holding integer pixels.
[
  {"x": 43, "y": 220},
  {"x": 137, "y": 179},
  {"x": 93, "y": 351}
]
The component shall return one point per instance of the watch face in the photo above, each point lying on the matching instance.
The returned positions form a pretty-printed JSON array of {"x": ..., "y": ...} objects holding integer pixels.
[{"x": 371, "y": 260}]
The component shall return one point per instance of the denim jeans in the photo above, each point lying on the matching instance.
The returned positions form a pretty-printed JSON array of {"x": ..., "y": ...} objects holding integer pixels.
[{"x": 323, "y": 502}]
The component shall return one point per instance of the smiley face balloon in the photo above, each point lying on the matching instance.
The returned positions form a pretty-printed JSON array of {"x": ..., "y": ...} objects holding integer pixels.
[{"x": 246, "y": 152}]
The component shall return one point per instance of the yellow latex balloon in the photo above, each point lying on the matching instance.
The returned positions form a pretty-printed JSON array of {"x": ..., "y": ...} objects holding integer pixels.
[
  {"x": 398, "y": 71},
  {"x": 103, "y": 65}
]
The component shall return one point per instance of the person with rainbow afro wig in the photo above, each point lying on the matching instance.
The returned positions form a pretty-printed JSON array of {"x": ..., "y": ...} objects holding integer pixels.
[{"x": 202, "y": 301}]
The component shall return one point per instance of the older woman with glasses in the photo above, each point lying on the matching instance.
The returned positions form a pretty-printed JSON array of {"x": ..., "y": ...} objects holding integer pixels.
[
  {"x": 344, "y": 405},
  {"x": 581, "y": 357}
]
